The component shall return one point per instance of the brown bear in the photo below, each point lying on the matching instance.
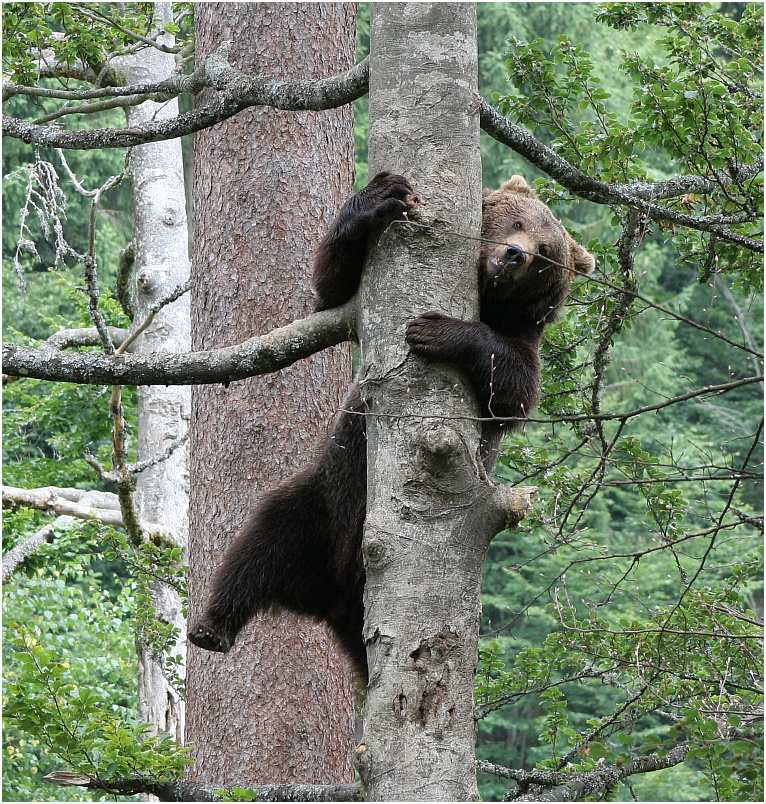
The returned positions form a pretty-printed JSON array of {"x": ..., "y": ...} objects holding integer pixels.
[{"x": 302, "y": 549}]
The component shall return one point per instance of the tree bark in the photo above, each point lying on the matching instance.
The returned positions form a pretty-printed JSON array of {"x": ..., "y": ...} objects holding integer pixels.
[
  {"x": 430, "y": 509},
  {"x": 278, "y": 707},
  {"x": 161, "y": 263}
]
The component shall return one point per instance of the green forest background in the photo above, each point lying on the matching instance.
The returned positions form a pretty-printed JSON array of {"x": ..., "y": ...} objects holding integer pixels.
[{"x": 561, "y": 654}]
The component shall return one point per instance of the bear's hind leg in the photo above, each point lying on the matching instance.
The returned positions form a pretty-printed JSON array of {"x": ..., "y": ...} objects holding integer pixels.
[
  {"x": 348, "y": 624},
  {"x": 204, "y": 633},
  {"x": 280, "y": 559}
]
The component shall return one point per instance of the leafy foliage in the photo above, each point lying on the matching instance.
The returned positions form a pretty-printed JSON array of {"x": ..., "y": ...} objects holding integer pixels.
[
  {"x": 69, "y": 658},
  {"x": 617, "y": 610},
  {"x": 90, "y": 33},
  {"x": 76, "y": 724},
  {"x": 70, "y": 628},
  {"x": 696, "y": 108}
]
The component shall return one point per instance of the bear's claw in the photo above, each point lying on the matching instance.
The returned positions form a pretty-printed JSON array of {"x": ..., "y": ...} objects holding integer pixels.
[{"x": 204, "y": 636}]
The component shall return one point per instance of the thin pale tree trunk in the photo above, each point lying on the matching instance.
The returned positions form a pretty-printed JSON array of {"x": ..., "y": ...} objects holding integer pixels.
[
  {"x": 278, "y": 707},
  {"x": 430, "y": 511},
  {"x": 161, "y": 264}
]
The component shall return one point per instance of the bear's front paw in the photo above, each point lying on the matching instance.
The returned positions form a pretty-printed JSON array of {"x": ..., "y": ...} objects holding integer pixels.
[
  {"x": 205, "y": 635},
  {"x": 433, "y": 335},
  {"x": 385, "y": 199}
]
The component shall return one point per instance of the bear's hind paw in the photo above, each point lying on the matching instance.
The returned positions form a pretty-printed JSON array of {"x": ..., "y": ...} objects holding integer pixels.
[{"x": 205, "y": 636}]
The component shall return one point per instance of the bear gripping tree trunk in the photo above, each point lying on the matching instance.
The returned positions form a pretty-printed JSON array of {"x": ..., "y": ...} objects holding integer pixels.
[{"x": 430, "y": 510}]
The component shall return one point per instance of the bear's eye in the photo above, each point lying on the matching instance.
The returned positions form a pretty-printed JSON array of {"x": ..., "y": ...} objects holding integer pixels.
[{"x": 517, "y": 225}]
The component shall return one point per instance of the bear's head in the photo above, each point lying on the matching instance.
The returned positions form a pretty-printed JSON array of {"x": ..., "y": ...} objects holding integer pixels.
[{"x": 531, "y": 259}]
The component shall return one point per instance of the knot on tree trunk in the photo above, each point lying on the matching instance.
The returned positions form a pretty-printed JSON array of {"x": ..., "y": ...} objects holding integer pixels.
[
  {"x": 438, "y": 448},
  {"x": 377, "y": 550}
]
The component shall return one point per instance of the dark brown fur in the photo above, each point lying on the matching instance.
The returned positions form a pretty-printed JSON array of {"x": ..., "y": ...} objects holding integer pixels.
[{"x": 302, "y": 548}]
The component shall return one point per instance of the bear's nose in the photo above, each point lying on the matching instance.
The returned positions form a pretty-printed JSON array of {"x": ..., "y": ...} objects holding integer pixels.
[{"x": 514, "y": 256}]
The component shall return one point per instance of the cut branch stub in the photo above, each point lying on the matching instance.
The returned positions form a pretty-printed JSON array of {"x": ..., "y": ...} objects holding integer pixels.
[{"x": 512, "y": 503}]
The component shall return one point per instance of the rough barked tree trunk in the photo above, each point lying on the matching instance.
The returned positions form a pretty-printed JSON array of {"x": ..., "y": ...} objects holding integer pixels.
[
  {"x": 278, "y": 707},
  {"x": 430, "y": 511},
  {"x": 161, "y": 264}
]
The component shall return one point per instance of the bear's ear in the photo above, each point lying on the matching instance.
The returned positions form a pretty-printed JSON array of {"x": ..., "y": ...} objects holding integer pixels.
[
  {"x": 584, "y": 261},
  {"x": 517, "y": 184},
  {"x": 485, "y": 193}
]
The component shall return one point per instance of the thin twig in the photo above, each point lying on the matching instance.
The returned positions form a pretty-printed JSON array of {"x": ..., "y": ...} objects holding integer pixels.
[{"x": 152, "y": 311}]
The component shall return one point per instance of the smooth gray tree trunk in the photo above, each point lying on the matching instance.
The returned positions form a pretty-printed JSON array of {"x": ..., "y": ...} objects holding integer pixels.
[
  {"x": 161, "y": 264},
  {"x": 430, "y": 510}
]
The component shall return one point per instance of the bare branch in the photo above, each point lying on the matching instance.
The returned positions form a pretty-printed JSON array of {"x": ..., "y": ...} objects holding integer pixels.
[
  {"x": 705, "y": 391},
  {"x": 98, "y": 106},
  {"x": 45, "y": 197},
  {"x": 578, "y": 417},
  {"x": 77, "y": 70},
  {"x": 183, "y": 790},
  {"x": 720, "y": 283},
  {"x": 237, "y": 92},
  {"x": 135, "y": 468},
  {"x": 682, "y": 185},
  {"x": 558, "y": 786},
  {"x": 83, "y": 336},
  {"x": 17, "y": 555},
  {"x": 259, "y": 355},
  {"x": 577, "y": 182},
  {"x": 135, "y": 331},
  {"x": 94, "y": 294},
  {"x": 176, "y": 84},
  {"x": 601, "y": 355},
  {"x": 140, "y": 466},
  {"x": 123, "y": 478},
  {"x": 89, "y": 261},
  {"x": 97, "y": 467},
  {"x": 85, "y": 193},
  {"x": 65, "y": 502},
  {"x": 521, "y": 776},
  {"x": 97, "y": 506}
]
